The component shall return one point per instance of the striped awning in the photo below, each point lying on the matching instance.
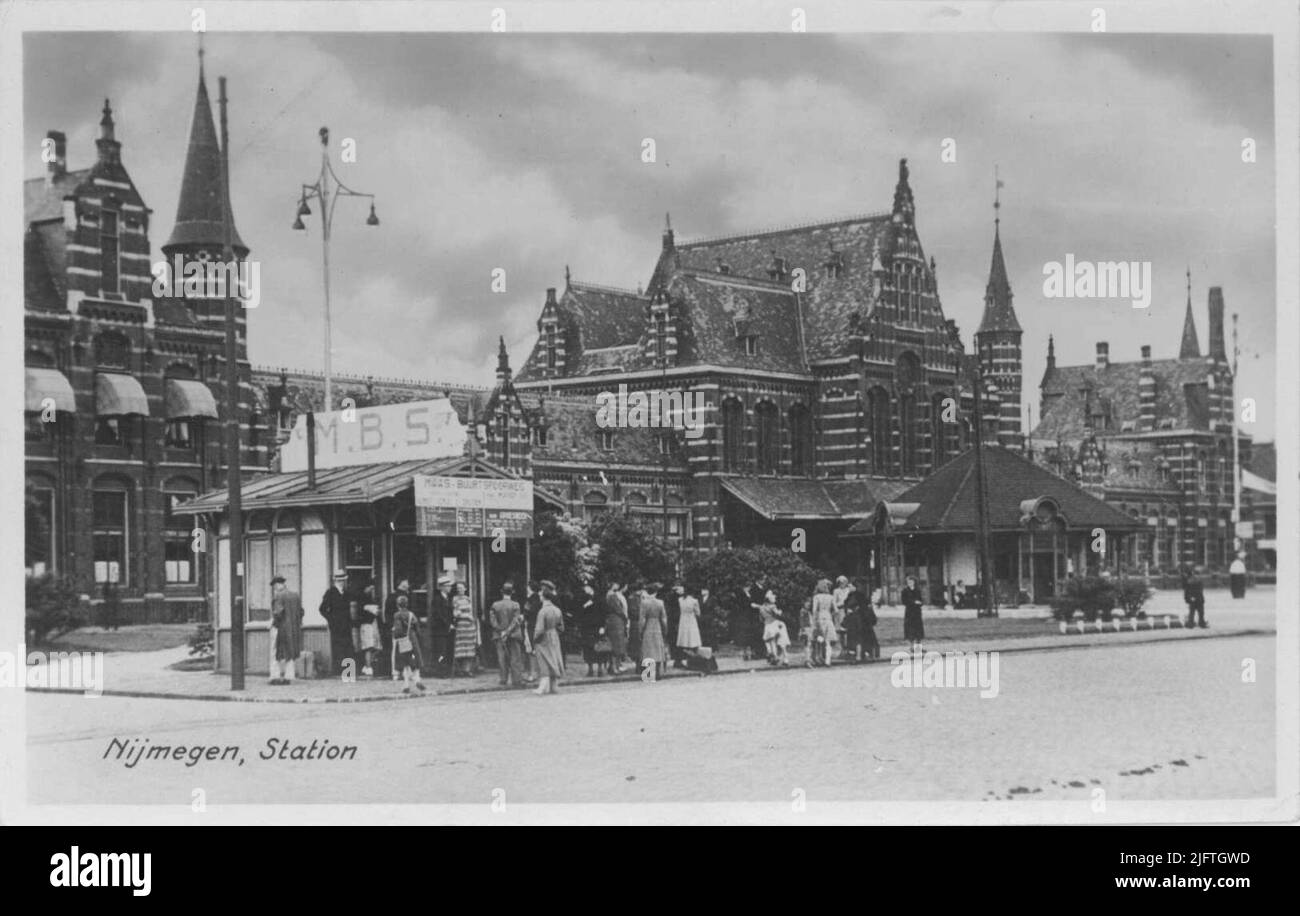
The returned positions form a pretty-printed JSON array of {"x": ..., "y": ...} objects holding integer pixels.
[
  {"x": 52, "y": 384},
  {"x": 186, "y": 398},
  {"x": 117, "y": 395}
]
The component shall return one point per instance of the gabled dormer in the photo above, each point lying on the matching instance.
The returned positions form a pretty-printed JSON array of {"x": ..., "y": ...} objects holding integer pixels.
[
  {"x": 661, "y": 331},
  {"x": 552, "y": 343}
]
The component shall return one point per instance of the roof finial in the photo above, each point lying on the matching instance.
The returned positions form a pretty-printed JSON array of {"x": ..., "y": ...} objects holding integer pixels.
[
  {"x": 997, "y": 198},
  {"x": 200, "y": 56},
  {"x": 1189, "y": 284},
  {"x": 668, "y": 222},
  {"x": 566, "y": 276}
]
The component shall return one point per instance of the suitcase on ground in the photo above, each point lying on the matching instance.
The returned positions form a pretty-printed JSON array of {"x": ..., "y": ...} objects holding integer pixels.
[{"x": 703, "y": 662}]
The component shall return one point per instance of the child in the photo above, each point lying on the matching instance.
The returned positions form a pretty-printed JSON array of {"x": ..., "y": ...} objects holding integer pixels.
[
  {"x": 368, "y": 619},
  {"x": 406, "y": 645}
]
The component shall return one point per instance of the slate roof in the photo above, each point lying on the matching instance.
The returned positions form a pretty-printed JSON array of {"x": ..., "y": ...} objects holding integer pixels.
[
  {"x": 1263, "y": 460},
  {"x": 778, "y": 498},
  {"x": 606, "y": 316},
  {"x": 712, "y": 306},
  {"x": 830, "y": 300},
  {"x": 1116, "y": 388},
  {"x": 199, "y": 217},
  {"x": 572, "y": 435},
  {"x": 43, "y": 199},
  {"x": 947, "y": 498},
  {"x": 998, "y": 312},
  {"x": 1190, "y": 348},
  {"x": 306, "y": 391}
]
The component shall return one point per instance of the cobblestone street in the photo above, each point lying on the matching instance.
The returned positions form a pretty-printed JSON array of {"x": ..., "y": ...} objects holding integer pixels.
[{"x": 1168, "y": 720}]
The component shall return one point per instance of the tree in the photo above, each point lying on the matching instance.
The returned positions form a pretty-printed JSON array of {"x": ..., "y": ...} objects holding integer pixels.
[
  {"x": 630, "y": 550},
  {"x": 562, "y": 552},
  {"x": 727, "y": 571},
  {"x": 52, "y": 608}
]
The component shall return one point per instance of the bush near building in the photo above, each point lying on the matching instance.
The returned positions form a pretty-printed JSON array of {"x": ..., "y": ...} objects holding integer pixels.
[
  {"x": 727, "y": 571},
  {"x": 53, "y": 608},
  {"x": 1096, "y": 596}
]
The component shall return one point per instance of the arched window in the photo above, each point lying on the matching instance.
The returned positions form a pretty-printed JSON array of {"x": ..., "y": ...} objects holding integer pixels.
[
  {"x": 768, "y": 428},
  {"x": 733, "y": 434},
  {"x": 878, "y": 420},
  {"x": 179, "y": 558},
  {"x": 801, "y": 440},
  {"x": 42, "y": 536},
  {"x": 907, "y": 434},
  {"x": 111, "y": 538},
  {"x": 594, "y": 503}
]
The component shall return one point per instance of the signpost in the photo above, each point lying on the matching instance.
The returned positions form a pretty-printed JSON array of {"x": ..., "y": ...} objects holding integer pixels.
[
  {"x": 414, "y": 431},
  {"x": 473, "y": 507}
]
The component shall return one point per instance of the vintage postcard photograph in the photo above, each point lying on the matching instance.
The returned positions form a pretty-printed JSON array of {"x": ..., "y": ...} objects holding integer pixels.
[{"x": 471, "y": 411}]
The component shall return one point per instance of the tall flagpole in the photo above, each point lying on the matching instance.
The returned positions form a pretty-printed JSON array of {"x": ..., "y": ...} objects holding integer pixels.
[
  {"x": 233, "y": 446},
  {"x": 1238, "y": 544}
]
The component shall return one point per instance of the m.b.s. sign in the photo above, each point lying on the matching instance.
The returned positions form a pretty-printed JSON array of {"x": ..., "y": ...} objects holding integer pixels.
[{"x": 414, "y": 431}]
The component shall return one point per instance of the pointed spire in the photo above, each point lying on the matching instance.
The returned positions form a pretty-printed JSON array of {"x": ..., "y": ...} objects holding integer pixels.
[
  {"x": 110, "y": 151},
  {"x": 668, "y": 232},
  {"x": 999, "y": 315},
  {"x": 198, "y": 214},
  {"x": 567, "y": 279},
  {"x": 904, "y": 208},
  {"x": 1191, "y": 345},
  {"x": 1051, "y": 352},
  {"x": 503, "y": 362}
]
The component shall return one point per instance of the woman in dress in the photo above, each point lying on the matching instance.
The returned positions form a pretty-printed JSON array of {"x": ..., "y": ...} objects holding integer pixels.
[
  {"x": 688, "y": 624},
  {"x": 546, "y": 641},
  {"x": 654, "y": 620},
  {"x": 616, "y": 625},
  {"x": 913, "y": 628},
  {"x": 824, "y": 633},
  {"x": 776, "y": 637},
  {"x": 467, "y": 634},
  {"x": 591, "y": 624}
]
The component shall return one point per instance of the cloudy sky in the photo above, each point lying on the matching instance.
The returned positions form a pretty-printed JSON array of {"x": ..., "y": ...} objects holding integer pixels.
[{"x": 524, "y": 153}]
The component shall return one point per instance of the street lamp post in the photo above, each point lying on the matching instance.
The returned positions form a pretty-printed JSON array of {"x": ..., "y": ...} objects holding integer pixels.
[{"x": 321, "y": 192}]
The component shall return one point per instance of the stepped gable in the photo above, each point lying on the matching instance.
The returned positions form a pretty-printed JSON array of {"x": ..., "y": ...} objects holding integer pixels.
[
  {"x": 947, "y": 498},
  {"x": 1118, "y": 385},
  {"x": 836, "y": 256}
]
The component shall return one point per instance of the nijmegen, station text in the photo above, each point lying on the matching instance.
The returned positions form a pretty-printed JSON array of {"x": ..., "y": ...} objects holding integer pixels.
[{"x": 131, "y": 751}]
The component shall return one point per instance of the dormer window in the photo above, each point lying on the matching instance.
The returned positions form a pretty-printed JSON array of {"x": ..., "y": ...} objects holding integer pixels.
[
  {"x": 539, "y": 436},
  {"x": 723, "y": 266},
  {"x": 665, "y": 444},
  {"x": 605, "y": 439},
  {"x": 777, "y": 270},
  {"x": 749, "y": 343}
]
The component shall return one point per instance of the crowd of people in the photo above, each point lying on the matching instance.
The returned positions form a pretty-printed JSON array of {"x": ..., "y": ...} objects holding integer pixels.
[{"x": 645, "y": 626}]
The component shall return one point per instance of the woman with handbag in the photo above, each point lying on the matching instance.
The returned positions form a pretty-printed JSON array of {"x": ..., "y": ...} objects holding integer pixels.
[{"x": 406, "y": 645}]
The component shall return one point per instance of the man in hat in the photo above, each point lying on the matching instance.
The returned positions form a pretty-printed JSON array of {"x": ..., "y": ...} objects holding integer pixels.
[
  {"x": 442, "y": 628},
  {"x": 286, "y": 631},
  {"x": 336, "y": 608}
]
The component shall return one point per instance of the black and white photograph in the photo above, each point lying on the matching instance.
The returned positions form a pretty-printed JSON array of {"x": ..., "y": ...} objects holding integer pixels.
[{"x": 624, "y": 413}]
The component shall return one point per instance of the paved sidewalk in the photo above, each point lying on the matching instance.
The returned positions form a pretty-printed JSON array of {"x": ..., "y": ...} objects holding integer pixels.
[{"x": 146, "y": 674}]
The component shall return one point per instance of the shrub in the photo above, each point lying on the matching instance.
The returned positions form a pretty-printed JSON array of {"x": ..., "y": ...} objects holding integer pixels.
[
  {"x": 53, "y": 608},
  {"x": 727, "y": 571},
  {"x": 201, "y": 641},
  {"x": 1132, "y": 595},
  {"x": 1098, "y": 596},
  {"x": 629, "y": 549}
]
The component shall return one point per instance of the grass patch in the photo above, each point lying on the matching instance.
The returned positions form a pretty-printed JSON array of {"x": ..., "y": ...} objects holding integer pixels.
[{"x": 135, "y": 638}]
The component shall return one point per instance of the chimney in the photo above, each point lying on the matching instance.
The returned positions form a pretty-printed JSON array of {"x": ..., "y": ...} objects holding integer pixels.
[
  {"x": 1217, "y": 351},
  {"x": 1103, "y": 355},
  {"x": 1146, "y": 393},
  {"x": 57, "y": 168},
  {"x": 1051, "y": 353},
  {"x": 550, "y": 296}
]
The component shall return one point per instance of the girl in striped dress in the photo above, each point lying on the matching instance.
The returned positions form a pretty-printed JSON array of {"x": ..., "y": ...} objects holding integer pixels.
[{"x": 467, "y": 632}]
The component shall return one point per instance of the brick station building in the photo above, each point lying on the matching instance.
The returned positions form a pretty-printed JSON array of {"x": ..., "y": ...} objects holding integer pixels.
[
  {"x": 124, "y": 391},
  {"x": 825, "y": 361}
]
